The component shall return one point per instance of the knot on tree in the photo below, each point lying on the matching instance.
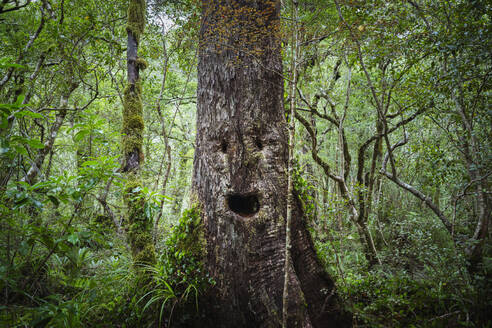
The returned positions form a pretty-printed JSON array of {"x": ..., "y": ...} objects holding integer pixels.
[{"x": 141, "y": 63}]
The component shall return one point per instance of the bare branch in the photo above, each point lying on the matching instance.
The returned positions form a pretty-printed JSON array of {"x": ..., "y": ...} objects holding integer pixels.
[
  {"x": 414, "y": 191},
  {"x": 17, "y": 7}
]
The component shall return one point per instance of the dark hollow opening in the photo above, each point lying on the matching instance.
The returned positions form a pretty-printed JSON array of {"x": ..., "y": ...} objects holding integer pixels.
[
  {"x": 244, "y": 205},
  {"x": 223, "y": 146},
  {"x": 259, "y": 144}
]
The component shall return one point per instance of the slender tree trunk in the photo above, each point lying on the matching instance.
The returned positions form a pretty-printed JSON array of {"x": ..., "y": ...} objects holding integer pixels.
[
  {"x": 290, "y": 170},
  {"x": 167, "y": 146},
  {"x": 471, "y": 152},
  {"x": 35, "y": 168},
  {"x": 240, "y": 177},
  {"x": 138, "y": 225}
]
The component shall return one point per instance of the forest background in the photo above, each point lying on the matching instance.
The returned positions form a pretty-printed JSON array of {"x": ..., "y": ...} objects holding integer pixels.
[{"x": 393, "y": 160}]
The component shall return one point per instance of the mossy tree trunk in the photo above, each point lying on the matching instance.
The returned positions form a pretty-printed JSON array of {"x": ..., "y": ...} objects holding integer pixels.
[
  {"x": 139, "y": 227},
  {"x": 240, "y": 177}
]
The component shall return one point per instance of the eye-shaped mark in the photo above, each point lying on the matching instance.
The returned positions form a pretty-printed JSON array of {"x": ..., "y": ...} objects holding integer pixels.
[
  {"x": 259, "y": 144},
  {"x": 224, "y": 146}
]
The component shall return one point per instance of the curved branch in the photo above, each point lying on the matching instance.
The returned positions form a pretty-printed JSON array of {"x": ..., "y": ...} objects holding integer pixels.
[
  {"x": 414, "y": 191},
  {"x": 17, "y": 7}
]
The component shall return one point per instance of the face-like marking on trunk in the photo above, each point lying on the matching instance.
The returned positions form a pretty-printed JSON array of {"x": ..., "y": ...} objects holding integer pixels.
[{"x": 244, "y": 205}]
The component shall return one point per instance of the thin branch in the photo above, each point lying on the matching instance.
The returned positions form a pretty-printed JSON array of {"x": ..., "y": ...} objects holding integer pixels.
[
  {"x": 414, "y": 191},
  {"x": 28, "y": 45},
  {"x": 3, "y": 11}
]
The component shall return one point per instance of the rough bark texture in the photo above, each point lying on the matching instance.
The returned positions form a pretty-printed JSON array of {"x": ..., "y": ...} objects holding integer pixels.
[{"x": 240, "y": 176}]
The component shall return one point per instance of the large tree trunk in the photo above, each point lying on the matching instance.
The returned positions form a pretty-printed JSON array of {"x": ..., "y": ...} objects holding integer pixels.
[{"x": 240, "y": 176}]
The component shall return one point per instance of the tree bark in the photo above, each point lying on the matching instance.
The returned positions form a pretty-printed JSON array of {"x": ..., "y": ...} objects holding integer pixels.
[
  {"x": 240, "y": 177},
  {"x": 139, "y": 226},
  {"x": 290, "y": 170}
]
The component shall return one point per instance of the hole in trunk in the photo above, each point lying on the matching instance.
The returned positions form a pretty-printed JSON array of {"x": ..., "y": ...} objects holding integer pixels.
[
  {"x": 244, "y": 205},
  {"x": 259, "y": 145},
  {"x": 223, "y": 146}
]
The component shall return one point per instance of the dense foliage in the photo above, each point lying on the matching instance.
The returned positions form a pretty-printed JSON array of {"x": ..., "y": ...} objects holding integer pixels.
[{"x": 393, "y": 160}]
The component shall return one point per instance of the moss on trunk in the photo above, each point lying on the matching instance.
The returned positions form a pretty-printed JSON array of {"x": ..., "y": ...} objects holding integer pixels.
[
  {"x": 138, "y": 224},
  {"x": 136, "y": 18}
]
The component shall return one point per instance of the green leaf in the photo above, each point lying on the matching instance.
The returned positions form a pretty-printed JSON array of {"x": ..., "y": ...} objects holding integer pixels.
[
  {"x": 8, "y": 62},
  {"x": 20, "y": 150},
  {"x": 40, "y": 185},
  {"x": 90, "y": 163},
  {"x": 73, "y": 238},
  {"x": 34, "y": 143},
  {"x": 19, "y": 100},
  {"x": 4, "y": 124},
  {"x": 28, "y": 113},
  {"x": 80, "y": 135}
]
